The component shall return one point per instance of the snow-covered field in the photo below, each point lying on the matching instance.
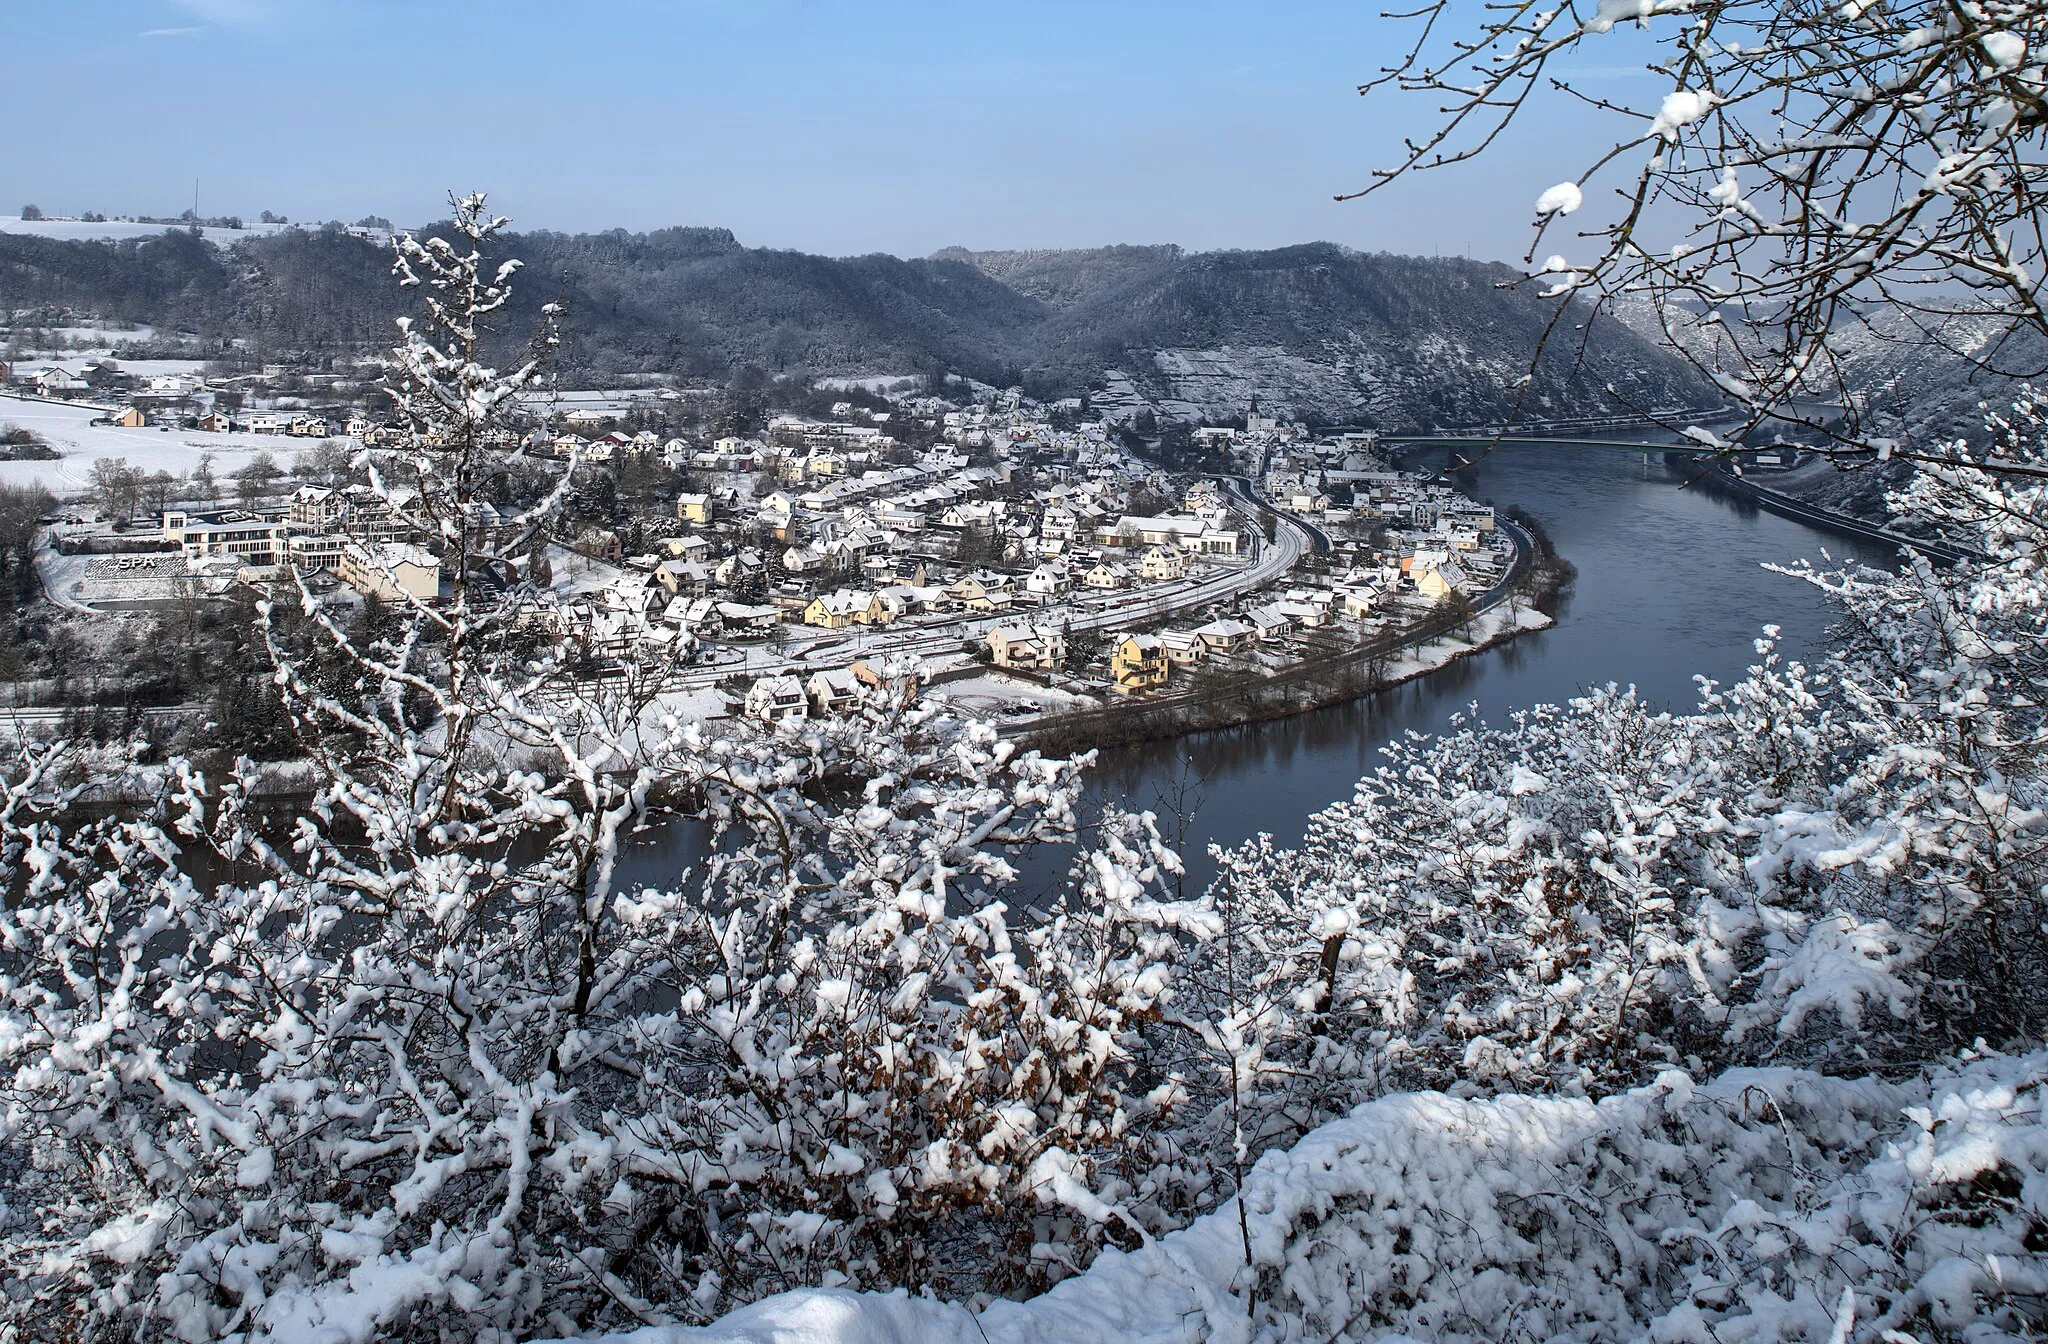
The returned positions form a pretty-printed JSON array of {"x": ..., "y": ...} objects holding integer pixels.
[
  {"x": 115, "y": 230},
  {"x": 139, "y": 368},
  {"x": 994, "y": 693},
  {"x": 69, "y": 430}
]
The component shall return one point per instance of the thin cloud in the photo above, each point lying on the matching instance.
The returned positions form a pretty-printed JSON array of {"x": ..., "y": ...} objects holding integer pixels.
[
  {"x": 170, "y": 32},
  {"x": 245, "y": 15}
]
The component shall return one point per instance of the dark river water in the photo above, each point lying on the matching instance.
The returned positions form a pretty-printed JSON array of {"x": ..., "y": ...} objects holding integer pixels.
[{"x": 1670, "y": 585}]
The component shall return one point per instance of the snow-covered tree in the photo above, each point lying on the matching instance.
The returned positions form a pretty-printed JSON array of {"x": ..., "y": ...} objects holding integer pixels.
[
  {"x": 403, "y": 1055},
  {"x": 1785, "y": 177},
  {"x": 1838, "y": 865}
]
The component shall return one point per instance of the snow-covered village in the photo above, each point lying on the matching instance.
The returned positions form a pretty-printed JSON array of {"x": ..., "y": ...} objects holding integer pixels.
[
  {"x": 769, "y": 733},
  {"x": 1026, "y": 560}
]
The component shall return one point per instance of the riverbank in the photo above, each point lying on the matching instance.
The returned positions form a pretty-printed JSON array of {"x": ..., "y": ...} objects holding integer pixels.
[
  {"x": 1815, "y": 513},
  {"x": 1522, "y": 602}
]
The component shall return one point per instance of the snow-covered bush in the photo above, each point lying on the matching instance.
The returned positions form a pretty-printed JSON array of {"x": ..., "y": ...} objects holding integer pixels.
[
  {"x": 1770, "y": 1206},
  {"x": 1840, "y": 864},
  {"x": 403, "y": 1057},
  {"x": 1765, "y": 1205}
]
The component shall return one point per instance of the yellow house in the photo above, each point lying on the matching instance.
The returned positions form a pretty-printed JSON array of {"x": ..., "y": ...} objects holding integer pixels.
[
  {"x": 127, "y": 418},
  {"x": 836, "y": 611},
  {"x": 1439, "y": 582},
  {"x": 1139, "y": 663},
  {"x": 693, "y": 508}
]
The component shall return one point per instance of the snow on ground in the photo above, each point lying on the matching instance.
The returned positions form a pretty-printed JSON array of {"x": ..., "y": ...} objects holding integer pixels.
[
  {"x": 994, "y": 693},
  {"x": 69, "y": 430},
  {"x": 1492, "y": 624},
  {"x": 1766, "y": 1205},
  {"x": 79, "y": 361},
  {"x": 104, "y": 337},
  {"x": 573, "y": 574},
  {"x": 878, "y": 383},
  {"x": 117, "y": 229}
]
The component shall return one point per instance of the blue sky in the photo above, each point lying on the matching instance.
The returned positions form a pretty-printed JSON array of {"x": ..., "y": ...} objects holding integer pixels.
[{"x": 831, "y": 127}]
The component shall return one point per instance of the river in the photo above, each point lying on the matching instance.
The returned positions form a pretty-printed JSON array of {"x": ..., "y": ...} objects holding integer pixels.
[{"x": 1670, "y": 585}]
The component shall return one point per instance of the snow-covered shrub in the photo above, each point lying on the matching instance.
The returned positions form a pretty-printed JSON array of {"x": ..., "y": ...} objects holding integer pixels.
[
  {"x": 405, "y": 1059},
  {"x": 1764, "y": 1205},
  {"x": 1840, "y": 864}
]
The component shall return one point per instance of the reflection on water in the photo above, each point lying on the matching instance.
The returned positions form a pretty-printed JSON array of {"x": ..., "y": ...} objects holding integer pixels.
[{"x": 1670, "y": 585}]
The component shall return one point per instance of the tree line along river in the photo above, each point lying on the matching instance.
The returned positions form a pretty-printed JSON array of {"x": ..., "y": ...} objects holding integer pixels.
[{"x": 1670, "y": 586}]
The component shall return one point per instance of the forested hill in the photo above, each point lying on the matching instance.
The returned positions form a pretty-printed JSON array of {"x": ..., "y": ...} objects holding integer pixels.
[{"x": 1317, "y": 331}]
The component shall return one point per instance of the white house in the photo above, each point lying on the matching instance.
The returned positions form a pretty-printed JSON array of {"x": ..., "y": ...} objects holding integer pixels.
[
  {"x": 1048, "y": 581},
  {"x": 1162, "y": 564},
  {"x": 833, "y": 692},
  {"x": 777, "y": 699},
  {"x": 1032, "y": 646}
]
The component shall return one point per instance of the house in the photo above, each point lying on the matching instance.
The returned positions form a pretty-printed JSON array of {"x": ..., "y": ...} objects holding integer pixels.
[
  {"x": 1442, "y": 581},
  {"x": 318, "y": 506},
  {"x": 890, "y": 681},
  {"x": 257, "y": 541},
  {"x": 1269, "y": 624},
  {"x": 836, "y": 611},
  {"x": 887, "y": 605},
  {"x": 777, "y": 700},
  {"x": 739, "y": 618},
  {"x": 980, "y": 587},
  {"x": 803, "y": 560},
  {"x": 740, "y": 568},
  {"x": 1162, "y": 565},
  {"x": 1139, "y": 663},
  {"x": 834, "y": 692},
  {"x": 1107, "y": 576},
  {"x": 55, "y": 382},
  {"x": 1027, "y": 646},
  {"x": 392, "y": 571},
  {"x": 693, "y": 613},
  {"x": 688, "y": 548},
  {"x": 1224, "y": 636},
  {"x": 599, "y": 544},
  {"x": 1183, "y": 647},
  {"x": 311, "y": 551},
  {"x": 128, "y": 417},
  {"x": 1059, "y": 525},
  {"x": 1358, "y": 593},
  {"x": 694, "y": 508},
  {"x": 1048, "y": 581},
  {"x": 684, "y": 578},
  {"x": 1307, "y": 615},
  {"x": 1165, "y": 530}
]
